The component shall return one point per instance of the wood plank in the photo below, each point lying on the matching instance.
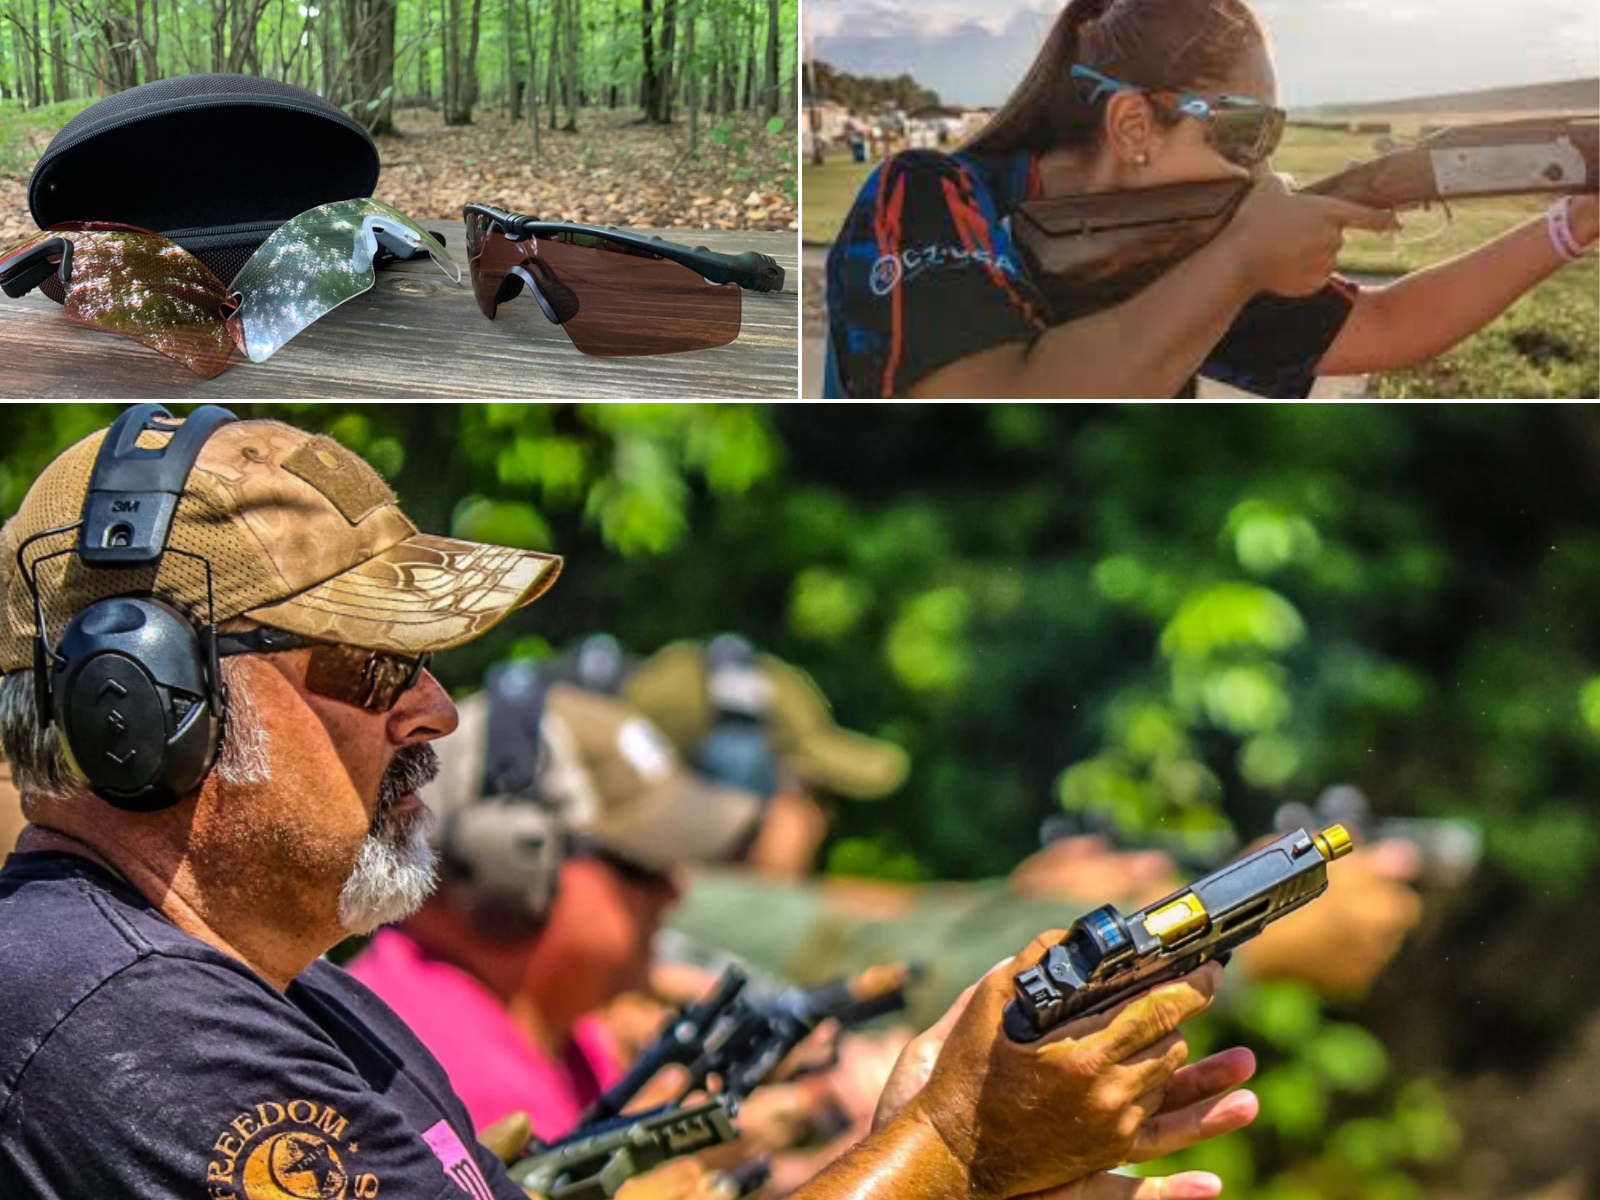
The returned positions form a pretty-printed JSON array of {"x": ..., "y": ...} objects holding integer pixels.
[{"x": 415, "y": 334}]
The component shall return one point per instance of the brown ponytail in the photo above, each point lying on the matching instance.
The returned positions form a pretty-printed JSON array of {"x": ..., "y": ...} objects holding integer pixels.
[{"x": 1157, "y": 43}]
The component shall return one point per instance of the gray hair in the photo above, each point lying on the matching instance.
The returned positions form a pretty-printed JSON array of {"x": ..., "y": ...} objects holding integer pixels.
[{"x": 38, "y": 759}]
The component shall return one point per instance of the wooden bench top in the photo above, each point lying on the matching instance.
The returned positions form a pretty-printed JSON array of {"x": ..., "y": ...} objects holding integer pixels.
[{"x": 415, "y": 334}]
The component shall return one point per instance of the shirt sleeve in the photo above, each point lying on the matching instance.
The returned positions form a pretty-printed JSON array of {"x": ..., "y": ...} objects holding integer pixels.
[
  {"x": 191, "y": 1080},
  {"x": 923, "y": 274},
  {"x": 1274, "y": 344}
]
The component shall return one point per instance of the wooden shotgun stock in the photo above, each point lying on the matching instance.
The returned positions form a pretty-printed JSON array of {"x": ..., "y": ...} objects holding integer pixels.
[{"x": 1098, "y": 249}]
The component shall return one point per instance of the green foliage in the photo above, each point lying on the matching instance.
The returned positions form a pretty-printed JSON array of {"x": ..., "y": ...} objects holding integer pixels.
[
  {"x": 24, "y": 132},
  {"x": 1180, "y": 618},
  {"x": 865, "y": 94}
]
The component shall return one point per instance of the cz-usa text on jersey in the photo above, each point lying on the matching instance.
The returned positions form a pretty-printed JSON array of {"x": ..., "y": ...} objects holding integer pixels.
[{"x": 891, "y": 270}]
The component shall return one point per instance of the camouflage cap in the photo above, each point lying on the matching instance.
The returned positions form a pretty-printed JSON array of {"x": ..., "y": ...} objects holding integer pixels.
[
  {"x": 610, "y": 776},
  {"x": 300, "y": 534},
  {"x": 672, "y": 689}
]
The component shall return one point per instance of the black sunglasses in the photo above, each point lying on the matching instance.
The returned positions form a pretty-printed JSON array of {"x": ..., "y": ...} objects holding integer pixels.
[
  {"x": 615, "y": 294},
  {"x": 370, "y": 679}
]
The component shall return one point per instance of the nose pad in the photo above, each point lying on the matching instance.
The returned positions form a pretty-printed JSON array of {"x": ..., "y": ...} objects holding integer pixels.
[
  {"x": 562, "y": 298},
  {"x": 559, "y": 302},
  {"x": 510, "y": 286}
]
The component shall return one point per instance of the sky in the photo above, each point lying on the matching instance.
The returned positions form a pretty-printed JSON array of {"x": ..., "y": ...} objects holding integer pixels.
[{"x": 1326, "y": 51}]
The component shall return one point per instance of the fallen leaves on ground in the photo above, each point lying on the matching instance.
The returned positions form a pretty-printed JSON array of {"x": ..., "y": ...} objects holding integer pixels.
[{"x": 613, "y": 171}]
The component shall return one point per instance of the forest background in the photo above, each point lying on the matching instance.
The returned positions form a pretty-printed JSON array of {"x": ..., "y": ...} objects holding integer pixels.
[{"x": 650, "y": 113}]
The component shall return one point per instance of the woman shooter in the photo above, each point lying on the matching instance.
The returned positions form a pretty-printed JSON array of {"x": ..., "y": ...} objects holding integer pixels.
[{"x": 931, "y": 296}]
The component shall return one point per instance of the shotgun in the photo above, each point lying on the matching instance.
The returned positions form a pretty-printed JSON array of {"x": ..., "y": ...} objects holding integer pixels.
[{"x": 1098, "y": 249}]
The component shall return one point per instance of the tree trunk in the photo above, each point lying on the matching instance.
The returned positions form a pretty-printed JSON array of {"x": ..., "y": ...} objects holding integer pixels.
[
  {"x": 370, "y": 30},
  {"x": 533, "y": 74},
  {"x": 388, "y": 15},
  {"x": 554, "y": 57},
  {"x": 750, "y": 62},
  {"x": 147, "y": 44},
  {"x": 58, "y": 67},
  {"x": 462, "y": 96},
  {"x": 573, "y": 98},
  {"x": 669, "y": 38},
  {"x": 325, "y": 44},
  {"x": 772, "y": 58},
  {"x": 616, "y": 36},
  {"x": 37, "y": 54},
  {"x": 452, "y": 61},
  {"x": 650, "y": 80},
  {"x": 691, "y": 80}
]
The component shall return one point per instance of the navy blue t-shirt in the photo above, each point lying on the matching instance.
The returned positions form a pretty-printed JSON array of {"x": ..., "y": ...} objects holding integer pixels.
[
  {"x": 925, "y": 272},
  {"x": 135, "y": 1060}
]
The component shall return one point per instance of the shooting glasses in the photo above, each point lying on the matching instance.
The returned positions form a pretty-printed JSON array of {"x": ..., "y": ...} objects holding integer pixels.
[
  {"x": 616, "y": 294},
  {"x": 1243, "y": 129},
  {"x": 132, "y": 282},
  {"x": 148, "y": 288},
  {"x": 370, "y": 679}
]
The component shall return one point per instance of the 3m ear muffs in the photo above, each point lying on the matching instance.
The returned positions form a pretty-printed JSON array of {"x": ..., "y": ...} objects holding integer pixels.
[{"x": 133, "y": 683}]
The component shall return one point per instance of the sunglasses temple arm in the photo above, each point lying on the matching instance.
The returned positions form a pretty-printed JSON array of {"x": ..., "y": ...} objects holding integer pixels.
[
  {"x": 750, "y": 270},
  {"x": 40, "y": 268},
  {"x": 396, "y": 249}
]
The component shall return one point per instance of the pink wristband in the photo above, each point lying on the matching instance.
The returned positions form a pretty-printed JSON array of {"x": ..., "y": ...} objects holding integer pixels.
[{"x": 1558, "y": 224}]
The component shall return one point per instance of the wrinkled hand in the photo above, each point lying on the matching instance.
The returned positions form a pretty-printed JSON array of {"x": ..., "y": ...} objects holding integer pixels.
[
  {"x": 1339, "y": 943},
  {"x": 1018, "y": 1119},
  {"x": 1289, "y": 243}
]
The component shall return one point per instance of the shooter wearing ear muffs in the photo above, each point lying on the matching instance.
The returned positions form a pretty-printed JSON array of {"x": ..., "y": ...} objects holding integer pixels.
[
  {"x": 216, "y": 709},
  {"x": 563, "y": 815}
]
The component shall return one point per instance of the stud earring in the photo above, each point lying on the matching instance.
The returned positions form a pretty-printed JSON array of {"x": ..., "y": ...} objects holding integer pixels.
[{"x": 1143, "y": 160}]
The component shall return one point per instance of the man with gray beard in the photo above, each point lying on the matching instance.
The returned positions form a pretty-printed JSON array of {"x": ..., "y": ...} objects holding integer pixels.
[
  {"x": 219, "y": 751},
  {"x": 167, "y": 1024}
]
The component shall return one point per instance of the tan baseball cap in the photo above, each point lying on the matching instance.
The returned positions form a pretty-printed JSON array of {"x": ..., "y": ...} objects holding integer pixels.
[
  {"x": 301, "y": 534},
  {"x": 612, "y": 777},
  {"x": 672, "y": 689}
]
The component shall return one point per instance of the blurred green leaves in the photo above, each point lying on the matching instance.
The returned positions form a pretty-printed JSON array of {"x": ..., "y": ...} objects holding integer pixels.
[
  {"x": 1228, "y": 617},
  {"x": 826, "y": 605},
  {"x": 925, "y": 646}
]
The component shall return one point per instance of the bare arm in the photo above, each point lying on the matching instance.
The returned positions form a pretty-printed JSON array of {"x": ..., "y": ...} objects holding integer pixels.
[
  {"x": 1428, "y": 311},
  {"x": 1147, "y": 346},
  {"x": 1150, "y": 345}
]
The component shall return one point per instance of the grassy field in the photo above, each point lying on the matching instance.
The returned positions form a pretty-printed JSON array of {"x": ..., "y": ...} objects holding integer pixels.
[
  {"x": 1546, "y": 345},
  {"x": 826, "y": 193}
]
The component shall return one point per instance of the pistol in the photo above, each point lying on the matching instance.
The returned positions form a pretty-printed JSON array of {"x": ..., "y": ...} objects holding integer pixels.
[
  {"x": 1106, "y": 957},
  {"x": 595, "y": 1162}
]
